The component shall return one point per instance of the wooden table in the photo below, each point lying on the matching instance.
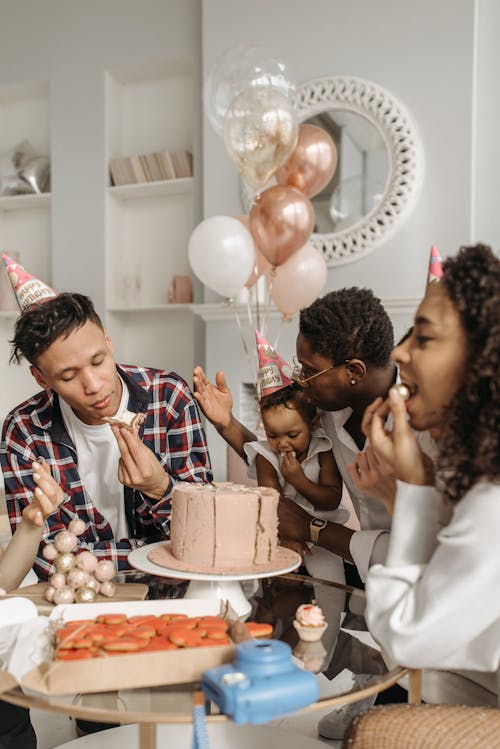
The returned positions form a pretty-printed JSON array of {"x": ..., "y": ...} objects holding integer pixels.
[{"x": 275, "y": 601}]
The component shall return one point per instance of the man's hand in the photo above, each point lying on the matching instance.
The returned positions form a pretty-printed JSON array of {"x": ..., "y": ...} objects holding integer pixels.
[
  {"x": 139, "y": 468},
  {"x": 291, "y": 469},
  {"x": 47, "y": 497},
  {"x": 399, "y": 448},
  {"x": 215, "y": 401},
  {"x": 293, "y": 521},
  {"x": 373, "y": 475}
]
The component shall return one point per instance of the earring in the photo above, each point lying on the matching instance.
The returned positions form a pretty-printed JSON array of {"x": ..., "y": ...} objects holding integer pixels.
[{"x": 353, "y": 381}]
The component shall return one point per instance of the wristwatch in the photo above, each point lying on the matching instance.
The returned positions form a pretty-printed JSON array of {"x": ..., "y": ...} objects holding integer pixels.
[{"x": 315, "y": 527}]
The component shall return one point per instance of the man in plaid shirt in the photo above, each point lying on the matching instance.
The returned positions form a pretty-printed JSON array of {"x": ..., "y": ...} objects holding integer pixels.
[{"x": 119, "y": 481}]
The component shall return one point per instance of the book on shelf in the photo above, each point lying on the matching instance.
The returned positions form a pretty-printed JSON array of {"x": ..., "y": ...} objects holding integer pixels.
[
  {"x": 167, "y": 164},
  {"x": 121, "y": 172},
  {"x": 137, "y": 168},
  {"x": 151, "y": 167},
  {"x": 183, "y": 164},
  {"x": 154, "y": 167}
]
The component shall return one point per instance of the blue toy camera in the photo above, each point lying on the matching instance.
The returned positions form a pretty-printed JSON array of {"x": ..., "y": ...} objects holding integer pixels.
[{"x": 261, "y": 684}]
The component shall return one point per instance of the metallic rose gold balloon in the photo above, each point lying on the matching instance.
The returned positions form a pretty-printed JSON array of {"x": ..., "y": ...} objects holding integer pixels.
[
  {"x": 281, "y": 221},
  {"x": 312, "y": 165}
]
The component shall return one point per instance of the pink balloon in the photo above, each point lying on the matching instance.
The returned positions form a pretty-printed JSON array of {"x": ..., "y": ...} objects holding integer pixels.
[{"x": 295, "y": 284}]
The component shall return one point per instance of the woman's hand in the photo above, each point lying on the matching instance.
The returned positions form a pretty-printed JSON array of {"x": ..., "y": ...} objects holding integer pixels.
[
  {"x": 216, "y": 401},
  {"x": 47, "y": 497},
  {"x": 399, "y": 448},
  {"x": 374, "y": 476}
]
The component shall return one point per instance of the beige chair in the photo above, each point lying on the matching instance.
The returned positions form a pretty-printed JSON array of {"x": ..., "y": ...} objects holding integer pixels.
[{"x": 425, "y": 727}]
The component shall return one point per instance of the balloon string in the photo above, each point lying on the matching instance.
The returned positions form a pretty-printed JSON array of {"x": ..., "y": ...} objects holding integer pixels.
[
  {"x": 278, "y": 334},
  {"x": 253, "y": 377},
  {"x": 269, "y": 291}
]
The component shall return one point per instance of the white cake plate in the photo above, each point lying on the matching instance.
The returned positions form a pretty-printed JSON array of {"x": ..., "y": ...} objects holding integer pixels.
[{"x": 205, "y": 585}]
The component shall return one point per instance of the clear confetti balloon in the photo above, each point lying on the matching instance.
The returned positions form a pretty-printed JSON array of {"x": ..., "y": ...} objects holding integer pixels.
[
  {"x": 260, "y": 133},
  {"x": 236, "y": 70}
]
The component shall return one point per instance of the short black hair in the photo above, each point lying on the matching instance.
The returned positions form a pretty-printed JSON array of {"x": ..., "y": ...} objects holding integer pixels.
[
  {"x": 349, "y": 323},
  {"x": 39, "y": 326},
  {"x": 292, "y": 396}
]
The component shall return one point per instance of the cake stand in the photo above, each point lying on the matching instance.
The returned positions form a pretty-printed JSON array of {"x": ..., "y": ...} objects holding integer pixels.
[{"x": 209, "y": 585}]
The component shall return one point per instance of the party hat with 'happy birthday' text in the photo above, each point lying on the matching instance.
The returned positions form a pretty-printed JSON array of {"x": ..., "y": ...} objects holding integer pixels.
[
  {"x": 274, "y": 372},
  {"x": 28, "y": 289},
  {"x": 435, "y": 266}
]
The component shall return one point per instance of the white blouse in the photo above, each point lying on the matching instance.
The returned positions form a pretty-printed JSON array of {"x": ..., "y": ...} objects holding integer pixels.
[{"x": 435, "y": 603}]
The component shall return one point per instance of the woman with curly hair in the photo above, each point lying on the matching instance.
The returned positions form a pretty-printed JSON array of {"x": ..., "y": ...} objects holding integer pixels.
[{"x": 435, "y": 603}]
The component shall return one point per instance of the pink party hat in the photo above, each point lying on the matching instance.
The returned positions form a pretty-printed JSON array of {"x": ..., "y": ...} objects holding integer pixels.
[
  {"x": 435, "y": 266},
  {"x": 28, "y": 289},
  {"x": 274, "y": 373}
]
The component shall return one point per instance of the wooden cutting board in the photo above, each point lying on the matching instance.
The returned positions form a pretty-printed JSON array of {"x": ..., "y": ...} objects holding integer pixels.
[{"x": 36, "y": 593}]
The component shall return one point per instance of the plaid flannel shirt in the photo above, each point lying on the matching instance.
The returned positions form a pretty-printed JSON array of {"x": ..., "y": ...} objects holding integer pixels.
[{"x": 172, "y": 430}]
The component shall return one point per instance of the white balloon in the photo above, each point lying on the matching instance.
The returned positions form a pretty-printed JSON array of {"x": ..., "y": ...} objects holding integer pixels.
[{"x": 222, "y": 255}]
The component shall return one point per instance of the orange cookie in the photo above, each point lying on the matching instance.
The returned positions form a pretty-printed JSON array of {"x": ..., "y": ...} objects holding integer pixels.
[
  {"x": 124, "y": 645},
  {"x": 159, "y": 643},
  {"x": 172, "y": 617},
  {"x": 143, "y": 619},
  {"x": 259, "y": 629},
  {"x": 74, "y": 655},
  {"x": 111, "y": 618},
  {"x": 185, "y": 638}
]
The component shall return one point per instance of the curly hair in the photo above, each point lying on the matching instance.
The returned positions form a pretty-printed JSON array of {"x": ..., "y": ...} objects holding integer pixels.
[
  {"x": 349, "y": 324},
  {"x": 293, "y": 396},
  {"x": 38, "y": 327},
  {"x": 470, "y": 442}
]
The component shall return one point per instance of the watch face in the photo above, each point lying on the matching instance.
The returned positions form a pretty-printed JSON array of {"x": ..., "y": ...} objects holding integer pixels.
[{"x": 318, "y": 523}]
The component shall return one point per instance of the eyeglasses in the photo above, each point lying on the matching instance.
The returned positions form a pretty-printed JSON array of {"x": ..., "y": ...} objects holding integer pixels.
[{"x": 298, "y": 371}]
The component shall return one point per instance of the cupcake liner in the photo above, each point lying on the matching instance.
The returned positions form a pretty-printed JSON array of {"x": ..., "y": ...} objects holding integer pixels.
[{"x": 309, "y": 634}]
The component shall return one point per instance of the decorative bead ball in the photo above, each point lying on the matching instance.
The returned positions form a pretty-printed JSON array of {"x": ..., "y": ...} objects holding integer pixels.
[
  {"x": 65, "y": 541},
  {"x": 49, "y": 552},
  {"x": 85, "y": 595},
  {"x": 77, "y": 578},
  {"x": 63, "y": 595},
  {"x": 64, "y": 562},
  {"x": 107, "y": 589},
  {"x": 92, "y": 583},
  {"x": 57, "y": 580},
  {"x": 105, "y": 570},
  {"x": 77, "y": 526},
  {"x": 49, "y": 593},
  {"x": 86, "y": 561}
]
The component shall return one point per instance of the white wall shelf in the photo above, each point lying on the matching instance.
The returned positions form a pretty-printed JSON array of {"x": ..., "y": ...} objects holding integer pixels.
[
  {"x": 167, "y": 187},
  {"x": 148, "y": 225},
  {"x": 25, "y": 202},
  {"x": 162, "y": 308}
]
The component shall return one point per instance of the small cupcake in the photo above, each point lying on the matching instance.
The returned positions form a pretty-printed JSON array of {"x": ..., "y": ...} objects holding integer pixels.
[{"x": 309, "y": 622}]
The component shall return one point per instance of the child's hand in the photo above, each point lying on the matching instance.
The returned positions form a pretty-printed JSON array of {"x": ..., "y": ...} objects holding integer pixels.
[
  {"x": 215, "y": 401},
  {"x": 47, "y": 498},
  {"x": 291, "y": 469}
]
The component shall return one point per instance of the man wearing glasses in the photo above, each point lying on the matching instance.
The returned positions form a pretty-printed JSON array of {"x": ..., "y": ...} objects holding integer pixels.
[{"x": 343, "y": 359}]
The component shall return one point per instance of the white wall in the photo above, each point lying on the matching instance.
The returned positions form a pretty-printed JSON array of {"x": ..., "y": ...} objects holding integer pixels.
[
  {"x": 72, "y": 44},
  {"x": 441, "y": 60}
]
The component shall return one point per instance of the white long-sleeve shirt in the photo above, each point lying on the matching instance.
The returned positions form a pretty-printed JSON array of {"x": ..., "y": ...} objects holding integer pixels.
[{"x": 435, "y": 603}]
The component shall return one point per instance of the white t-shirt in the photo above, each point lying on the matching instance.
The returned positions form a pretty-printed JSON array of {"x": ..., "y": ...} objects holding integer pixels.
[{"x": 97, "y": 458}]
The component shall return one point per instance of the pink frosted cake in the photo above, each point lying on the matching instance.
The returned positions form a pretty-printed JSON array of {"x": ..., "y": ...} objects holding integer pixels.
[{"x": 223, "y": 528}]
